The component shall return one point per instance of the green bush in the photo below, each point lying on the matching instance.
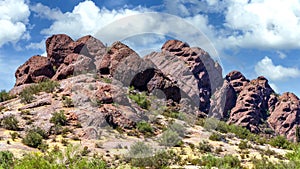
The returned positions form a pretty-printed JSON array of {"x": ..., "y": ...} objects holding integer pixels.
[
  {"x": 4, "y": 96},
  {"x": 40, "y": 131},
  {"x": 178, "y": 128},
  {"x": 140, "y": 150},
  {"x": 216, "y": 137},
  {"x": 6, "y": 159},
  {"x": 227, "y": 162},
  {"x": 14, "y": 135},
  {"x": 266, "y": 164},
  {"x": 67, "y": 102},
  {"x": 169, "y": 138},
  {"x": 205, "y": 147},
  {"x": 10, "y": 122},
  {"x": 145, "y": 128},
  {"x": 140, "y": 99},
  {"x": 59, "y": 118},
  {"x": 32, "y": 139},
  {"x": 243, "y": 145},
  {"x": 142, "y": 155},
  {"x": 56, "y": 159},
  {"x": 46, "y": 86},
  {"x": 280, "y": 142}
]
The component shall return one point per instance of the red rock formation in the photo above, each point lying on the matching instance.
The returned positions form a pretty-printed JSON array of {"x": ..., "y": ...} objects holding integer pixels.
[
  {"x": 252, "y": 104},
  {"x": 108, "y": 63},
  {"x": 35, "y": 70},
  {"x": 58, "y": 47},
  {"x": 198, "y": 87},
  {"x": 285, "y": 117},
  {"x": 237, "y": 80}
]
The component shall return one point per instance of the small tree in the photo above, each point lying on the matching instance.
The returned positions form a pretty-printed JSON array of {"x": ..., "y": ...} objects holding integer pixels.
[
  {"x": 169, "y": 138},
  {"x": 10, "y": 122},
  {"x": 140, "y": 150},
  {"x": 32, "y": 139},
  {"x": 59, "y": 118}
]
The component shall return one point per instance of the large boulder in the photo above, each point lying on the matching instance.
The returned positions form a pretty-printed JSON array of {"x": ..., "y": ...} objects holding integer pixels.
[
  {"x": 252, "y": 105},
  {"x": 222, "y": 101},
  {"x": 58, "y": 47},
  {"x": 285, "y": 117},
  {"x": 35, "y": 70},
  {"x": 237, "y": 80},
  {"x": 185, "y": 65},
  {"x": 115, "y": 54},
  {"x": 91, "y": 46},
  {"x": 152, "y": 79},
  {"x": 74, "y": 64}
]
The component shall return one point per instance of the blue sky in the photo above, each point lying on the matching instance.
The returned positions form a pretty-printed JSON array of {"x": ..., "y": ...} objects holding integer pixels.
[{"x": 257, "y": 37}]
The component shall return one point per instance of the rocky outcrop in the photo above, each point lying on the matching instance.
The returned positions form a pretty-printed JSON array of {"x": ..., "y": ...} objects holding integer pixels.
[
  {"x": 116, "y": 118},
  {"x": 58, "y": 47},
  {"x": 237, "y": 80},
  {"x": 252, "y": 106},
  {"x": 35, "y": 70},
  {"x": 285, "y": 117},
  {"x": 151, "y": 79},
  {"x": 74, "y": 64},
  {"x": 222, "y": 101},
  {"x": 185, "y": 65},
  {"x": 114, "y": 55}
]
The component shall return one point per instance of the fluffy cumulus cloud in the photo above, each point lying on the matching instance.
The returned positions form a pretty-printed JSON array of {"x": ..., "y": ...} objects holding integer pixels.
[
  {"x": 267, "y": 68},
  {"x": 112, "y": 25},
  {"x": 263, "y": 24},
  {"x": 86, "y": 18},
  {"x": 14, "y": 16}
]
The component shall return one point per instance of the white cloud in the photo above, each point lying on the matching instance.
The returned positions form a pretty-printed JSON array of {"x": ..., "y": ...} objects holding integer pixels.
[
  {"x": 281, "y": 55},
  {"x": 264, "y": 24},
  {"x": 14, "y": 16},
  {"x": 273, "y": 72},
  {"x": 39, "y": 45},
  {"x": 112, "y": 25},
  {"x": 86, "y": 18}
]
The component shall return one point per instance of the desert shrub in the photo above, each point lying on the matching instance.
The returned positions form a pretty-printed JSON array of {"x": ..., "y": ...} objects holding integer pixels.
[
  {"x": 140, "y": 150},
  {"x": 169, "y": 138},
  {"x": 106, "y": 80},
  {"x": 140, "y": 99},
  {"x": 243, "y": 145},
  {"x": 40, "y": 131},
  {"x": 4, "y": 96},
  {"x": 59, "y": 118},
  {"x": 211, "y": 124},
  {"x": 264, "y": 163},
  {"x": 227, "y": 162},
  {"x": 14, "y": 135},
  {"x": 178, "y": 128},
  {"x": 205, "y": 147},
  {"x": 10, "y": 122},
  {"x": 169, "y": 112},
  {"x": 2, "y": 108},
  {"x": 145, "y": 128},
  {"x": 280, "y": 142},
  {"x": 67, "y": 102},
  {"x": 32, "y": 139},
  {"x": 294, "y": 156},
  {"x": 6, "y": 159},
  {"x": 216, "y": 137},
  {"x": 57, "y": 159},
  {"x": 142, "y": 155},
  {"x": 46, "y": 86}
]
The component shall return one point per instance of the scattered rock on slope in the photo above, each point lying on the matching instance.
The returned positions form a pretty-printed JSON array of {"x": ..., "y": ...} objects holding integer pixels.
[{"x": 35, "y": 70}]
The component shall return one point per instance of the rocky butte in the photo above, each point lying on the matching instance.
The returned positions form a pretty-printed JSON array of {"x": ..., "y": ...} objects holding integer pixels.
[{"x": 100, "y": 86}]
